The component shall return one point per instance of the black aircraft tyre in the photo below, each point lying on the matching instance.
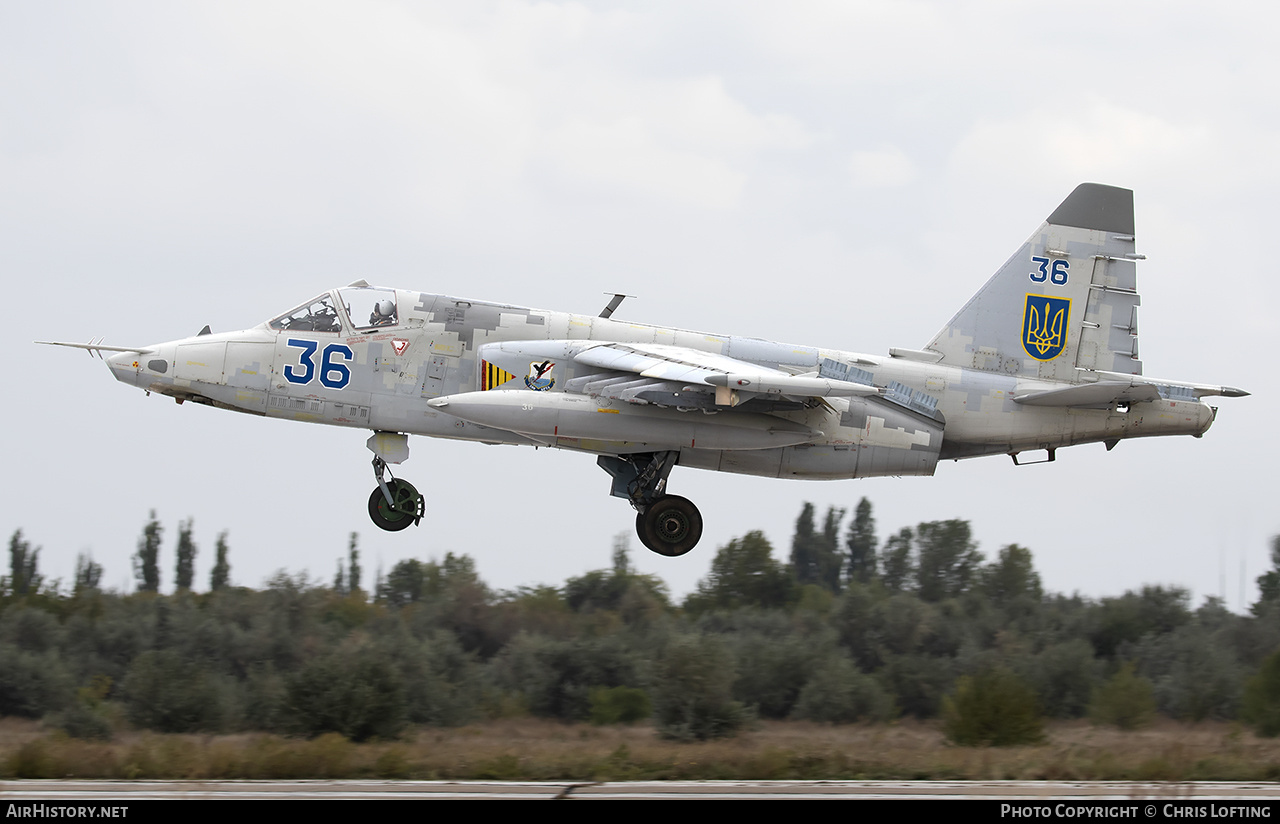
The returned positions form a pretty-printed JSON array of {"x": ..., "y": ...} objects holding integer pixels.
[
  {"x": 670, "y": 526},
  {"x": 408, "y": 506}
]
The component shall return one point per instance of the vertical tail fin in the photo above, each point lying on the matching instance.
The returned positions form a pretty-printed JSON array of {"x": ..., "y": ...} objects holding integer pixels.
[{"x": 1066, "y": 301}]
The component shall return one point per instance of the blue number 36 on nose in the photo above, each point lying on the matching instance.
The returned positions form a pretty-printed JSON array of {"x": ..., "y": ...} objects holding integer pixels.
[{"x": 334, "y": 374}]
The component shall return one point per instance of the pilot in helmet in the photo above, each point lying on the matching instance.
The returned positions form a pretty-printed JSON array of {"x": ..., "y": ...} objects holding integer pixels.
[{"x": 384, "y": 313}]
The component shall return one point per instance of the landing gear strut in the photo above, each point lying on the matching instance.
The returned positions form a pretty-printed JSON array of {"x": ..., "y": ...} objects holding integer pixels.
[
  {"x": 667, "y": 524},
  {"x": 394, "y": 503}
]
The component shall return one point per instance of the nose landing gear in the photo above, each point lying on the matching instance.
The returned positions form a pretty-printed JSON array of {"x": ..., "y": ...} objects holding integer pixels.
[{"x": 394, "y": 503}]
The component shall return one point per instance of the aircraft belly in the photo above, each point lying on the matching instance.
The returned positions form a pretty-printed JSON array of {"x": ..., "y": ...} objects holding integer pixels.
[
  {"x": 239, "y": 399},
  {"x": 766, "y": 463},
  {"x": 820, "y": 461},
  {"x": 816, "y": 461},
  {"x": 875, "y": 440}
]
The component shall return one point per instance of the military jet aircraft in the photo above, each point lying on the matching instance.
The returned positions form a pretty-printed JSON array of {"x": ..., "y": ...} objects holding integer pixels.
[{"x": 1044, "y": 356}]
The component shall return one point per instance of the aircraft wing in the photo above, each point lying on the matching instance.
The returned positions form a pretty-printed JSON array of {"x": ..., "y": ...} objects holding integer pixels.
[{"x": 684, "y": 366}]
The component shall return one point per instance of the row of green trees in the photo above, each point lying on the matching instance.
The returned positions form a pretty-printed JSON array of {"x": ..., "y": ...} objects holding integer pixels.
[
  {"x": 842, "y": 631},
  {"x": 937, "y": 560},
  {"x": 24, "y": 577},
  {"x": 146, "y": 561}
]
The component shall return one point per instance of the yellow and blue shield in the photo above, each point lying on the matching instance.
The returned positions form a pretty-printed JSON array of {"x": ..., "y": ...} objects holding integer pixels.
[{"x": 1044, "y": 326}]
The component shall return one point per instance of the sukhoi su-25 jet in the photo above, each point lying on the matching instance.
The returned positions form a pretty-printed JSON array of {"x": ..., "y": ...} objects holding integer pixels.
[{"x": 1044, "y": 356}]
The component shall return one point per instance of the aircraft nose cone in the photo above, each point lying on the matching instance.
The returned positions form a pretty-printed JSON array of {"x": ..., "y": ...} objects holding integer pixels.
[{"x": 124, "y": 365}]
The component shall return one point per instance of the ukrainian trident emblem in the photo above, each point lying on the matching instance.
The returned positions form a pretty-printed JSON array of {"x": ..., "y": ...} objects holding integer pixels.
[{"x": 1044, "y": 326}]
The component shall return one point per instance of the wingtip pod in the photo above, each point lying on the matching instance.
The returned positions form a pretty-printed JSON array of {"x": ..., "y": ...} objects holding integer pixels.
[{"x": 1096, "y": 206}]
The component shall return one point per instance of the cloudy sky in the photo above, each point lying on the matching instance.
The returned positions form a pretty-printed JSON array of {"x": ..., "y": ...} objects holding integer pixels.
[{"x": 842, "y": 174}]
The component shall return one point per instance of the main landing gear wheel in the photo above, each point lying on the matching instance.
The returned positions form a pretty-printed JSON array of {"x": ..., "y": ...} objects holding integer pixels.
[
  {"x": 405, "y": 509},
  {"x": 670, "y": 526}
]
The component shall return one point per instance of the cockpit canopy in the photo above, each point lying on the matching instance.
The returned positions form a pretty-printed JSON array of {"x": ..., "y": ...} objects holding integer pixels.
[
  {"x": 363, "y": 309},
  {"x": 369, "y": 307},
  {"x": 316, "y": 315}
]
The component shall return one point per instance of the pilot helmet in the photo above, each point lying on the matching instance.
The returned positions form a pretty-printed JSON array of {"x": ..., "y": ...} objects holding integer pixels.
[{"x": 386, "y": 308}]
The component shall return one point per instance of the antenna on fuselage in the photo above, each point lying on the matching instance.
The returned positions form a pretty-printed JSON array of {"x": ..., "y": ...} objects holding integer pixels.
[{"x": 614, "y": 303}]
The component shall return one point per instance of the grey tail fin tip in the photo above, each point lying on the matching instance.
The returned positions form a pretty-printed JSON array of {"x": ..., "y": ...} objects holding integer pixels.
[{"x": 1095, "y": 206}]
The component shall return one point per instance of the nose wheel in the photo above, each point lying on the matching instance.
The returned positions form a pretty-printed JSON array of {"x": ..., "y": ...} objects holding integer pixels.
[
  {"x": 394, "y": 503},
  {"x": 405, "y": 507}
]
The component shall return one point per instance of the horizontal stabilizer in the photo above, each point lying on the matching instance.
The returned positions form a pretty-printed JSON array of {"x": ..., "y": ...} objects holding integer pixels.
[
  {"x": 1126, "y": 390},
  {"x": 1097, "y": 395}
]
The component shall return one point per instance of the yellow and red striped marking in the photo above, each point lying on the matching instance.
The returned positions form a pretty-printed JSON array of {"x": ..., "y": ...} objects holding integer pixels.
[{"x": 491, "y": 377}]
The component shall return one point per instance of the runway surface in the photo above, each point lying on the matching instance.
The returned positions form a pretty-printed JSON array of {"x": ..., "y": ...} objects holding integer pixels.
[{"x": 71, "y": 790}]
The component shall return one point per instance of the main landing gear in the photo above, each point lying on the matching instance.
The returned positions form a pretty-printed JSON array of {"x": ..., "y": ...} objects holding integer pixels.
[
  {"x": 667, "y": 524},
  {"x": 394, "y": 503}
]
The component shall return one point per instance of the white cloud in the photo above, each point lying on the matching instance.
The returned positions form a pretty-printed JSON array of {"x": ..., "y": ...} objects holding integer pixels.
[
  {"x": 687, "y": 140},
  {"x": 1095, "y": 139},
  {"x": 881, "y": 168},
  {"x": 487, "y": 98},
  {"x": 626, "y": 154}
]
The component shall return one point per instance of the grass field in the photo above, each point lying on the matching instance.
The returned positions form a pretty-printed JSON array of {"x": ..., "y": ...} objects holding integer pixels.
[{"x": 528, "y": 749}]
